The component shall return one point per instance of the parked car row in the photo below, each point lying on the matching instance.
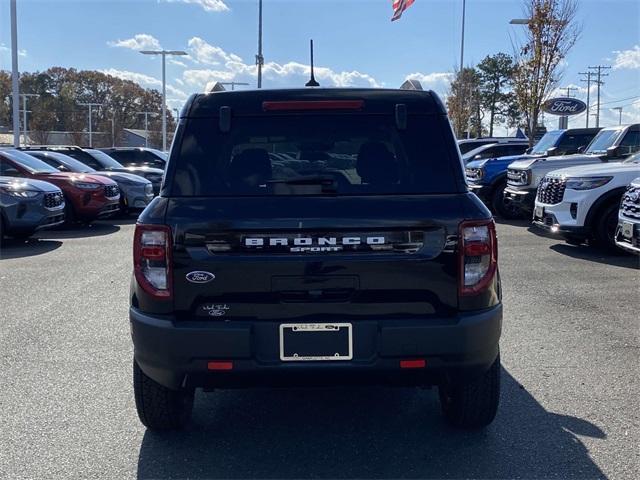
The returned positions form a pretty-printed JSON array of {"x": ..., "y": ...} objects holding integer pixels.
[
  {"x": 572, "y": 183},
  {"x": 47, "y": 186}
]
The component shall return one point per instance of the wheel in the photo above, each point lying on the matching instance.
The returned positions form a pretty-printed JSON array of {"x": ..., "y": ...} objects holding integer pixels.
[
  {"x": 604, "y": 227},
  {"x": 69, "y": 213},
  {"x": 504, "y": 209},
  {"x": 475, "y": 404},
  {"x": 160, "y": 408}
]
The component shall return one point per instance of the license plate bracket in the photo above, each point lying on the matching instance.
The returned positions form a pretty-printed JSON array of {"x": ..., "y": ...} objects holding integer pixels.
[
  {"x": 539, "y": 212},
  {"x": 305, "y": 342}
]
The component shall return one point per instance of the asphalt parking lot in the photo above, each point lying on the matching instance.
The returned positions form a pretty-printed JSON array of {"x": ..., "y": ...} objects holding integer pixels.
[{"x": 569, "y": 409}]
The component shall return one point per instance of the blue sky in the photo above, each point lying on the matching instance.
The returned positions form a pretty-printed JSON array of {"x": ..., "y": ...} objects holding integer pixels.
[{"x": 356, "y": 44}]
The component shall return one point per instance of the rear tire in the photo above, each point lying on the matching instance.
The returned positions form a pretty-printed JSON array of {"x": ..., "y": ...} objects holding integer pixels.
[
  {"x": 501, "y": 208},
  {"x": 475, "y": 404},
  {"x": 160, "y": 408}
]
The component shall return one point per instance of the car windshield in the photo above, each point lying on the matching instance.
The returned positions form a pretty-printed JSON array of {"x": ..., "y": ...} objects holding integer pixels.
[
  {"x": 549, "y": 140},
  {"x": 58, "y": 159},
  {"x": 105, "y": 160},
  {"x": 603, "y": 140},
  {"x": 332, "y": 154},
  {"x": 28, "y": 162}
]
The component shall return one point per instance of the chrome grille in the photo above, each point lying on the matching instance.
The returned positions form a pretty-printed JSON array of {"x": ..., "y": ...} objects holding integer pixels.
[
  {"x": 53, "y": 200},
  {"x": 551, "y": 190},
  {"x": 630, "y": 206},
  {"x": 111, "y": 191}
]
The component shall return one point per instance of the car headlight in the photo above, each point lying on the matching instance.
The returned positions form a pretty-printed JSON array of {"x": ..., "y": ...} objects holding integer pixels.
[
  {"x": 20, "y": 193},
  {"x": 87, "y": 185},
  {"x": 148, "y": 188},
  {"x": 587, "y": 183}
]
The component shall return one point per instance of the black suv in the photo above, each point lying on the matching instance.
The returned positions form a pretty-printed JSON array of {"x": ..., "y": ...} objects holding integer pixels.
[{"x": 361, "y": 258}]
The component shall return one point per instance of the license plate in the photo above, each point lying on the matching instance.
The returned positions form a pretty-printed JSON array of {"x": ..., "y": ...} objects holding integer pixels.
[
  {"x": 627, "y": 230},
  {"x": 300, "y": 342},
  {"x": 539, "y": 213}
]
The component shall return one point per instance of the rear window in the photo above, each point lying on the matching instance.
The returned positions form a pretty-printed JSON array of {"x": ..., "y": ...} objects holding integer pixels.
[{"x": 313, "y": 155}]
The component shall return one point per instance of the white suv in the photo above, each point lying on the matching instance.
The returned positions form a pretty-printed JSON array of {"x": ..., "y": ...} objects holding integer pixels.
[
  {"x": 581, "y": 203},
  {"x": 628, "y": 231},
  {"x": 613, "y": 144}
]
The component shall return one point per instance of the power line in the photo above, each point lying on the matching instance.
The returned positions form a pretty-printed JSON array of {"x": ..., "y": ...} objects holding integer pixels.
[{"x": 599, "y": 82}]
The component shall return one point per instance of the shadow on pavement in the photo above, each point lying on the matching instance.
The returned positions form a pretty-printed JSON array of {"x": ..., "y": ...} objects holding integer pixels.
[
  {"x": 593, "y": 254},
  {"x": 27, "y": 248},
  {"x": 79, "y": 231},
  {"x": 365, "y": 433},
  {"x": 519, "y": 222},
  {"x": 127, "y": 220}
]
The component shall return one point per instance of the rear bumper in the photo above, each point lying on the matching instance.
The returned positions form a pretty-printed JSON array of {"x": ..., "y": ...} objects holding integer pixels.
[
  {"x": 176, "y": 354},
  {"x": 524, "y": 199}
]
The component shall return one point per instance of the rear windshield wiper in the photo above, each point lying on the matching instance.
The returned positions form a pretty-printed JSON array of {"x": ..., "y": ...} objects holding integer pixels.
[{"x": 328, "y": 183}]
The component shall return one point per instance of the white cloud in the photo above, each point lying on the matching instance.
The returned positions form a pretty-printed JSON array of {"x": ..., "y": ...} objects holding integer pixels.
[
  {"x": 6, "y": 50},
  {"x": 207, "y": 5},
  {"x": 141, "y": 41},
  {"x": 203, "y": 52},
  {"x": 229, "y": 66},
  {"x": 144, "y": 80},
  {"x": 627, "y": 58},
  {"x": 437, "y": 81}
]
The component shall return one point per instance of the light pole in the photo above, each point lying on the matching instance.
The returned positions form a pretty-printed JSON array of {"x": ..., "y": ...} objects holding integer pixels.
[
  {"x": 259, "y": 57},
  {"x": 146, "y": 126},
  {"x": 15, "y": 85},
  {"x": 164, "y": 54},
  {"x": 90, "y": 105},
  {"x": 25, "y": 97},
  {"x": 619, "y": 109},
  {"x": 233, "y": 84},
  {"x": 464, "y": 8}
]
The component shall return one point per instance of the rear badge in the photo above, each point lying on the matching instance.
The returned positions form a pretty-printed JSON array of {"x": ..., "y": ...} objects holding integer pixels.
[{"x": 200, "y": 277}]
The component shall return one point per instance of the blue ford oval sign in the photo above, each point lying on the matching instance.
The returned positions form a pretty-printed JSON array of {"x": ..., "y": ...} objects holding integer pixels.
[
  {"x": 564, "y": 106},
  {"x": 200, "y": 277}
]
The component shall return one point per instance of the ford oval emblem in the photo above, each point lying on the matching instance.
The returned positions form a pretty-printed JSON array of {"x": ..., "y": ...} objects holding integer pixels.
[
  {"x": 200, "y": 277},
  {"x": 564, "y": 106}
]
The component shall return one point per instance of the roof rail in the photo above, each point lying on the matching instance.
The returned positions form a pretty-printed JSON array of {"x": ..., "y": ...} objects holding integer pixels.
[{"x": 411, "y": 85}]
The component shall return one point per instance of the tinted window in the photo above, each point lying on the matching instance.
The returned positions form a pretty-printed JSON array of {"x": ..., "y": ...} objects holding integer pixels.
[
  {"x": 630, "y": 143},
  {"x": 7, "y": 169},
  {"x": 468, "y": 146},
  {"x": 84, "y": 158},
  {"x": 570, "y": 143},
  {"x": 29, "y": 163},
  {"x": 332, "y": 154},
  {"x": 104, "y": 160}
]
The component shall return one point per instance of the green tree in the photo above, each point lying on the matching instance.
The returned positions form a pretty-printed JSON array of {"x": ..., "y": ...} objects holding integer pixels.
[
  {"x": 463, "y": 103},
  {"x": 496, "y": 76}
]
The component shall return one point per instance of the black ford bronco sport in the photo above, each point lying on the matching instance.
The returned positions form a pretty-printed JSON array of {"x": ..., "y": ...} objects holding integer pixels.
[{"x": 315, "y": 237}]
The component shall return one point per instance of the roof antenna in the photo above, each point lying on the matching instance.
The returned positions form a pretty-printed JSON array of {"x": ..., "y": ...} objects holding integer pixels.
[{"x": 312, "y": 82}]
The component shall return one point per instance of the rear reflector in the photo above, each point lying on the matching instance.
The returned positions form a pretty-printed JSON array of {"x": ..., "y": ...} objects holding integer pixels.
[
  {"x": 313, "y": 105},
  {"x": 220, "y": 365},
  {"x": 413, "y": 363}
]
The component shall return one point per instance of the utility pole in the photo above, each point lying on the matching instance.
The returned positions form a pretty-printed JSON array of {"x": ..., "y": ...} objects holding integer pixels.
[
  {"x": 15, "y": 84},
  {"x": 599, "y": 82},
  {"x": 619, "y": 109},
  {"x": 25, "y": 97},
  {"x": 259, "y": 57},
  {"x": 90, "y": 105},
  {"x": 146, "y": 126},
  {"x": 588, "y": 80}
]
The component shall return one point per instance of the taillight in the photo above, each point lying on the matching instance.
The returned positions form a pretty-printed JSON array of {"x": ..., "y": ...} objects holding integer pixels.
[
  {"x": 152, "y": 259},
  {"x": 478, "y": 256}
]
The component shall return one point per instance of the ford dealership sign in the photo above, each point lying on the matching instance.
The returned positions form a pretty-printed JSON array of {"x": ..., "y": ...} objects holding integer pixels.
[{"x": 564, "y": 106}]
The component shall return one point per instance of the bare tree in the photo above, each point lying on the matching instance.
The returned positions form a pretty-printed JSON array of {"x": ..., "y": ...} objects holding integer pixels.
[{"x": 551, "y": 32}]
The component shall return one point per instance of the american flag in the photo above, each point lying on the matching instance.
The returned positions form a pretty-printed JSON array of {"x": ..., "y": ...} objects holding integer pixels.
[{"x": 399, "y": 6}]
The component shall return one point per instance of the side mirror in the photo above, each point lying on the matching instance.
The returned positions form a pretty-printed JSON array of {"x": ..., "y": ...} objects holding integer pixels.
[
  {"x": 552, "y": 151},
  {"x": 613, "y": 152},
  {"x": 528, "y": 150},
  {"x": 478, "y": 157},
  {"x": 581, "y": 149}
]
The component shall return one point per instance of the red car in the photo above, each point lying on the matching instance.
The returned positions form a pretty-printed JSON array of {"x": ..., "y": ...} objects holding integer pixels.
[{"x": 87, "y": 197}]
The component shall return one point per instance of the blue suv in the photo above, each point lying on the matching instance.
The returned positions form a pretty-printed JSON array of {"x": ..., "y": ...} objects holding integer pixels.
[{"x": 487, "y": 177}]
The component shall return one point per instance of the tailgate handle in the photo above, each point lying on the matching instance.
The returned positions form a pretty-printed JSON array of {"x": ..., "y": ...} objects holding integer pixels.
[{"x": 328, "y": 295}]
